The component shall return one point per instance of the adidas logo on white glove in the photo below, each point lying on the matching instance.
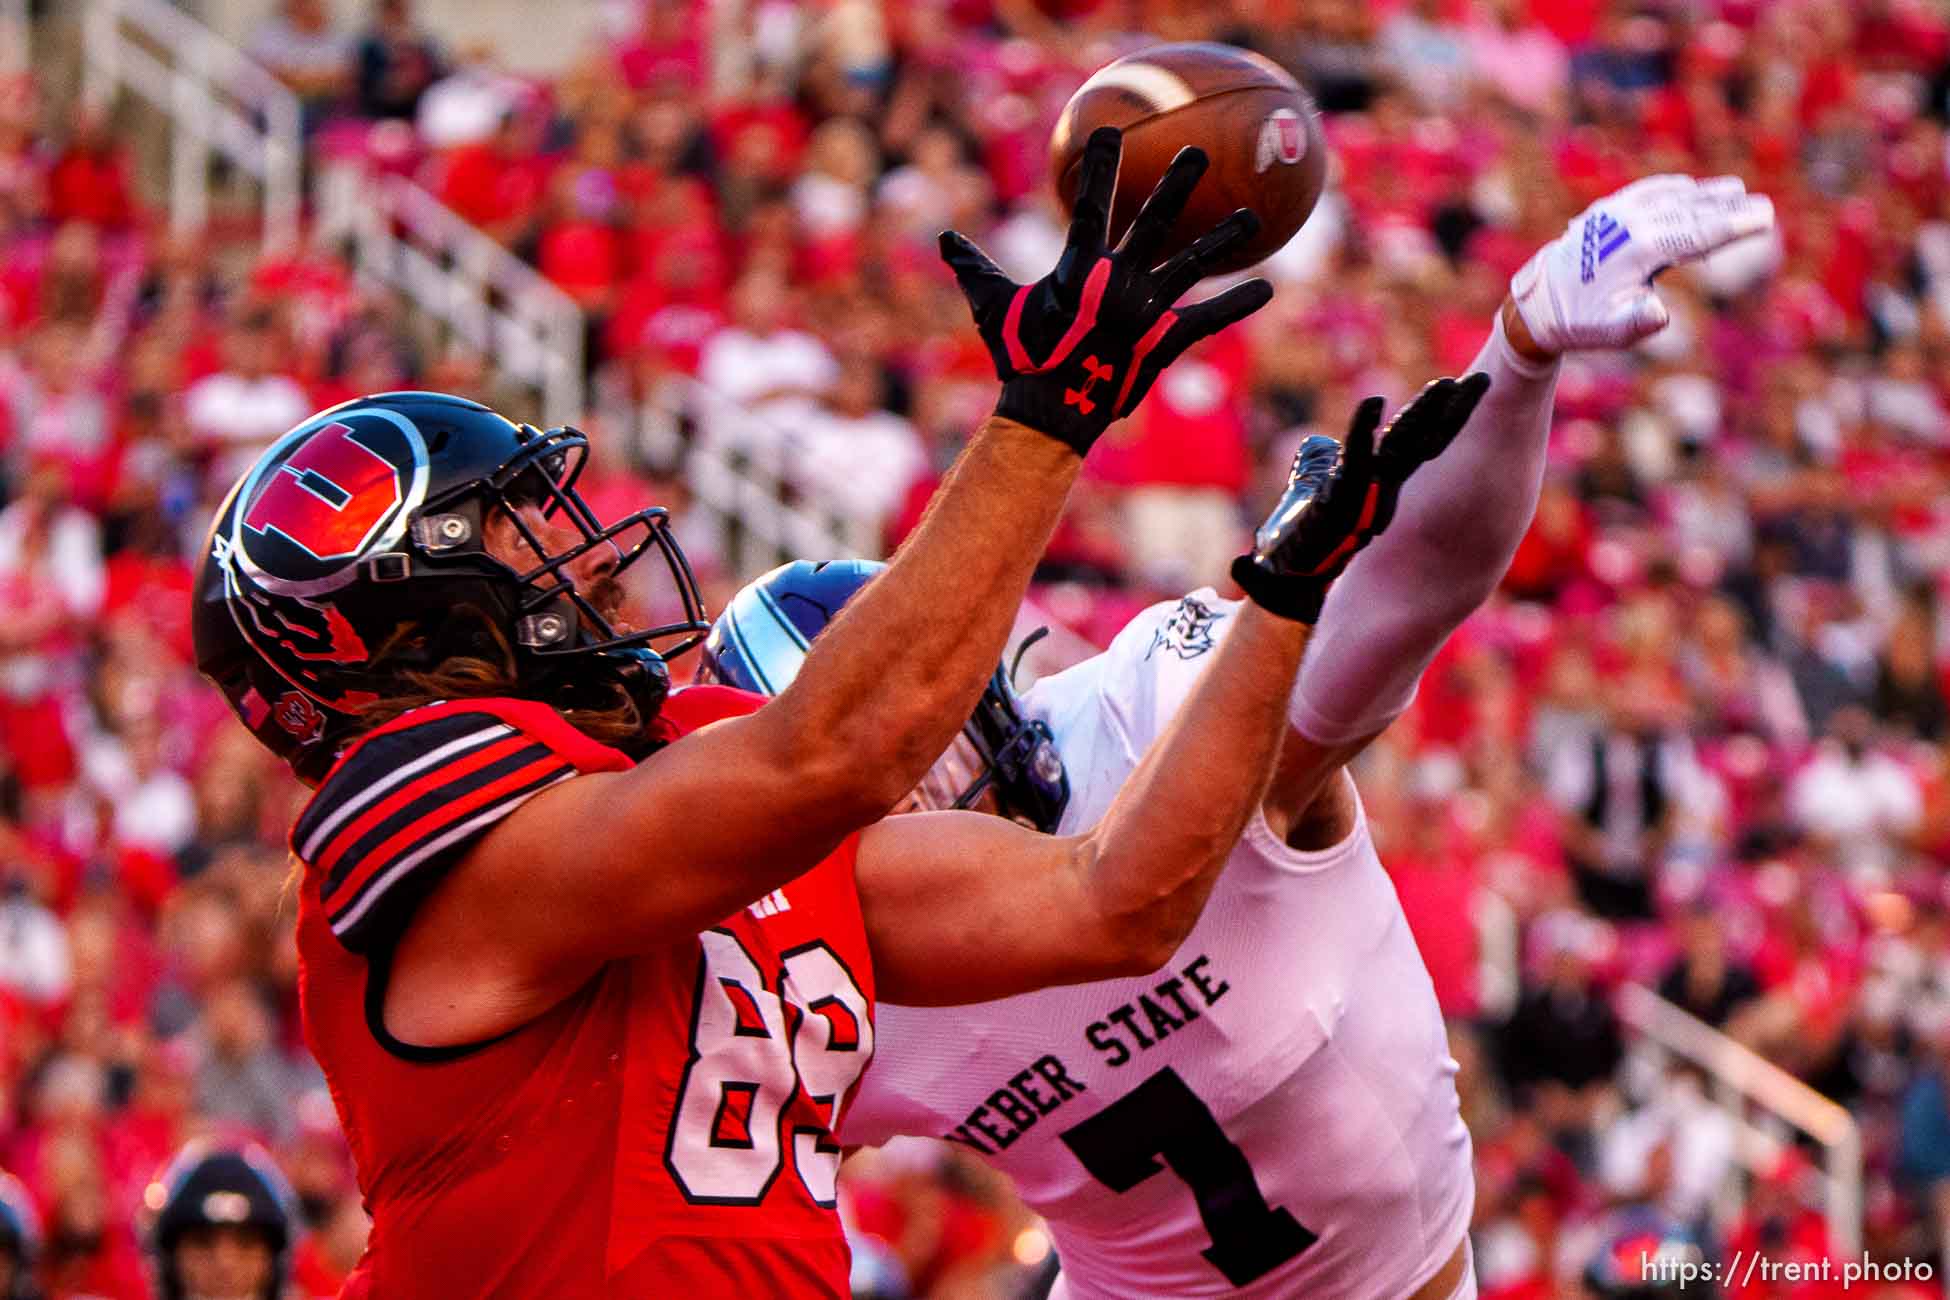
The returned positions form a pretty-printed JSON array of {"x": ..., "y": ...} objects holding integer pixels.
[
  {"x": 1591, "y": 287},
  {"x": 1602, "y": 237}
]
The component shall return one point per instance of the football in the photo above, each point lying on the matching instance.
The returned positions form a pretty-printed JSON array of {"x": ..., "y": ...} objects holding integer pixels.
[{"x": 1259, "y": 129}]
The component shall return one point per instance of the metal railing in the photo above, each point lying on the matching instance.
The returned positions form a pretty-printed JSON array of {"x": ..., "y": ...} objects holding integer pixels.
[
  {"x": 399, "y": 237},
  {"x": 1764, "y": 1103},
  {"x": 220, "y": 104},
  {"x": 738, "y": 468}
]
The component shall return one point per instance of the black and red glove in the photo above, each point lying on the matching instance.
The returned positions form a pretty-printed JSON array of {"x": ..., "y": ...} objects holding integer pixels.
[
  {"x": 1081, "y": 346},
  {"x": 1339, "y": 497}
]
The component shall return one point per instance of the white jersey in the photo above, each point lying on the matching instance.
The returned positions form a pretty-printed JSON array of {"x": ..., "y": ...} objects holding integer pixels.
[{"x": 1273, "y": 1113}]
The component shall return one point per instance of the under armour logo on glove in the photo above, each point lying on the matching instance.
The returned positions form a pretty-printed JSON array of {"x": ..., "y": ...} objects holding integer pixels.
[
  {"x": 1113, "y": 307},
  {"x": 1080, "y": 397}
]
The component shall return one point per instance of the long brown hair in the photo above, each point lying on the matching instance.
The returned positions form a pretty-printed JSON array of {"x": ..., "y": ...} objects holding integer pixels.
[{"x": 482, "y": 667}]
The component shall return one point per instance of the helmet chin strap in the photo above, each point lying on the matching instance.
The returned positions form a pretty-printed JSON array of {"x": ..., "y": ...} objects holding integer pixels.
[
  {"x": 1022, "y": 648},
  {"x": 966, "y": 799},
  {"x": 942, "y": 788}
]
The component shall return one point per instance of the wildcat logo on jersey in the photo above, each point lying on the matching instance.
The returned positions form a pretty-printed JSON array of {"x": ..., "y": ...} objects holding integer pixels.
[
  {"x": 1188, "y": 632},
  {"x": 332, "y": 491},
  {"x": 1602, "y": 237},
  {"x": 1282, "y": 139}
]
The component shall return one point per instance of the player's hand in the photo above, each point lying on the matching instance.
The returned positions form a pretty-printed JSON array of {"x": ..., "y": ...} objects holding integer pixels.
[
  {"x": 1081, "y": 346},
  {"x": 1339, "y": 496},
  {"x": 1591, "y": 287}
]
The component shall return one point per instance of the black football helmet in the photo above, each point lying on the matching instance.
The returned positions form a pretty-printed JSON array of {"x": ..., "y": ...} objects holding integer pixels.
[
  {"x": 219, "y": 1187},
  {"x": 347, "y": 555},
  {"x": 759, "y": 641}
]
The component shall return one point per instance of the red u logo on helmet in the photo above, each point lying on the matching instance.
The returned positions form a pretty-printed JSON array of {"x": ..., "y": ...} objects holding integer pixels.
[{"x": 330, "y": 497}]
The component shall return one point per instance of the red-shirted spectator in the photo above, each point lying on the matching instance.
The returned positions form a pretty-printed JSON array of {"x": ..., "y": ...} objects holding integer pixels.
[
  {"x": 676, "y": 305},
  {"x": 1182, "y": 461},
  {"x": 58, "y": 413},
  {"x": 1437, "y": 883},
  {"x": 90, "y": 181},
  {"x": 1781, "y": 1226},
  {"x": 498, "y": 183},
  {"x": 51, "y": 576},
  {"x": 668, "y": 47},
  {"x": 581, "y": 248}
]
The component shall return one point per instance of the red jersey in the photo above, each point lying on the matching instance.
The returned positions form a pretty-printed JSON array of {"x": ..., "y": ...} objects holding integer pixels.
[{"x": 666, "y": 1131}]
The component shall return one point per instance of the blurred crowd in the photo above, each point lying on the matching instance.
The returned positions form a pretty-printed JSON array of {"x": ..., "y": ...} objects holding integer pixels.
[{"x": 1699, "y": 741}]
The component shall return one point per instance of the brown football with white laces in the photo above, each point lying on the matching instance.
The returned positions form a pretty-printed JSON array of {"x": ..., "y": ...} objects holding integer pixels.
[{"x": 1258, "y": 128}]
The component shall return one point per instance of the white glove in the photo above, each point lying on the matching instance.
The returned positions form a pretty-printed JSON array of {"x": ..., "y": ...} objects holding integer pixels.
[{"x": 1591, "y": 287}]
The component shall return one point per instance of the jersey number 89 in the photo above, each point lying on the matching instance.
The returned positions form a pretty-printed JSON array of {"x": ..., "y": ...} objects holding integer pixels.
[{"x": 755, "y": 1044}]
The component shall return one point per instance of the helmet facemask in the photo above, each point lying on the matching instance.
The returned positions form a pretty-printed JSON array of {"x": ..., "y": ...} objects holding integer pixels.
[
  {"x": 565, "y": 644},
  {"x": 544, "y": 475}
]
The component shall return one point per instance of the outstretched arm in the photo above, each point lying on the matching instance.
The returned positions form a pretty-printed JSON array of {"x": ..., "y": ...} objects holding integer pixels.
[
  {"x": 1460, "y": 522},
  {"x": 962, "y": 907},
  {"x": 1454, "y": 534}
]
